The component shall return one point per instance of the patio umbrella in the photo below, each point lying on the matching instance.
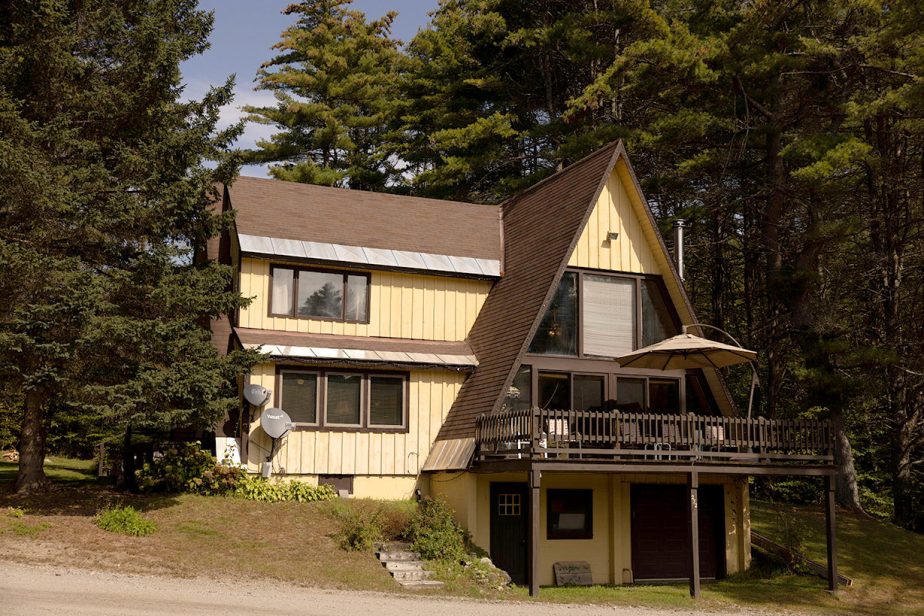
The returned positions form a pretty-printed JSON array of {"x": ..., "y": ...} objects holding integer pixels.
[{"x": 689, "y": 351}]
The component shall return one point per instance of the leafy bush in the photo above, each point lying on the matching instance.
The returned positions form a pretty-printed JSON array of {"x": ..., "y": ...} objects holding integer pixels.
[
  {"x": 125, "y": 520},
  {"x": 259, "y": 489},
  {"x": 219, "y": 481},
  {"x": 364, "y": 522},
  {"x": 359, "y": 532},
  {"x": 186, "y": 467},
  {"x": 177, "y": 470},
  {"x": 792, "y": 537},
  {"x": 795, "y": 491},
  {"x": 434, "y": 533}
]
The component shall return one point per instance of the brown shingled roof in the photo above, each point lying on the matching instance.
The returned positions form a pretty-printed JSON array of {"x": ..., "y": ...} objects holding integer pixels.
[
  {"x": 541, "y": 227},
  {"x": 291, "y": 210}
]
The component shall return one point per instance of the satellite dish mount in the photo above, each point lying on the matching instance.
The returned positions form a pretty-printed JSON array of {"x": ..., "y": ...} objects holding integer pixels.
[{"x": 276, "y": 423}]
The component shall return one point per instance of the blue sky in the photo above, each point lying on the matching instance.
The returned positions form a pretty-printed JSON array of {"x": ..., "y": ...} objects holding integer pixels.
[{"x": 244, "y": 32}]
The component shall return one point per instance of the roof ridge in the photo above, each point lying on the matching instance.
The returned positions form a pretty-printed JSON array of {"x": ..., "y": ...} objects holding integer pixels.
[{"x": 598, "y": 152}]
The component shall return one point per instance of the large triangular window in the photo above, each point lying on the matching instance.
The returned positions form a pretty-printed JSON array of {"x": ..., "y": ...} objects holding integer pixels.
[{"x": 598, "y": 314}]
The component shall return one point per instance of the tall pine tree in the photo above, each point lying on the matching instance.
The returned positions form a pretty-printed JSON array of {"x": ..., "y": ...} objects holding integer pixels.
[
  {"x": 335, "y": 82},
  {"x": 104, "y": 197}
]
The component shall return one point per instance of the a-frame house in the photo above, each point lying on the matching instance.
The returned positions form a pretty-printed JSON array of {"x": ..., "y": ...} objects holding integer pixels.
[{"x": 469, "y": 352}]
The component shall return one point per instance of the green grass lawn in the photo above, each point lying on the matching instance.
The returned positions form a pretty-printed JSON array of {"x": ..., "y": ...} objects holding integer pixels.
[
  {"x": 57, "y": 468},
  {"x": 226, "y": 537}
]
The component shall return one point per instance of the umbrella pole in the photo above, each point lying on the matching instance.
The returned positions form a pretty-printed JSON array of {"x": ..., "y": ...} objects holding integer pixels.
[{"x": 754, "y": 382}]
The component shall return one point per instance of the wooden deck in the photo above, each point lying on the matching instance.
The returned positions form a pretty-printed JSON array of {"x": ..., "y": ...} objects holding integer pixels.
[{"x": 653, "y": 440}]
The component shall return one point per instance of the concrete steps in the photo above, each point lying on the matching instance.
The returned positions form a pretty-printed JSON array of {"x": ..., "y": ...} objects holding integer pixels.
[{"x": 405, "y": 566}]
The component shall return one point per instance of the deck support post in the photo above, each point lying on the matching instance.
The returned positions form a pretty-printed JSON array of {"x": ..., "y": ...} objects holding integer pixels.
[
  {"x": 535, "y": 477},
  {"x": 693, "y": 526},
  {"x": 829, "y": 531}
]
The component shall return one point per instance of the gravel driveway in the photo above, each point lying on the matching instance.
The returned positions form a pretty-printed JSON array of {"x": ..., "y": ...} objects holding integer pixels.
[{"x": 28, "y": 591}]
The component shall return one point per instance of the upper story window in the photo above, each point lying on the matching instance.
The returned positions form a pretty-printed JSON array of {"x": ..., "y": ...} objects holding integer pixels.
[
  {"x": 557, "y": 334},
  {"x": 603, "y": 315},
  {"x": 319, "y": 294}
]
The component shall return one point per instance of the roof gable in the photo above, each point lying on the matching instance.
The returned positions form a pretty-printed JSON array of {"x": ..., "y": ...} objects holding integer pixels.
[
  {"x": 540, "y": 241},
  {"x": 630, "y": 250}
]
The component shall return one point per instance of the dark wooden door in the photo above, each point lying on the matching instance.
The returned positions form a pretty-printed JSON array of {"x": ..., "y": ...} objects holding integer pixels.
[
  {"x": 509, "y": 528},
  {"x": 660, "y": 547}
]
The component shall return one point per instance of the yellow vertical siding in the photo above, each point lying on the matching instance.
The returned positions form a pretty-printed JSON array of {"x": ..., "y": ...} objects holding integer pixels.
[
  {"x": 614, "y": 212},
  {"x": 310, "y": 452},
  {"x": 401, "y": 306}
]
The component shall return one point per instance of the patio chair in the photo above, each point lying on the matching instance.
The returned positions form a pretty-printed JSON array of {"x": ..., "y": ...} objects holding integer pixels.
[{"x": 559, "y": 435}]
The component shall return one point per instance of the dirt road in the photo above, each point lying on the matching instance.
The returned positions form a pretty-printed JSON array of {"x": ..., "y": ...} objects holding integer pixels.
[{"x": 33, "y": 591}]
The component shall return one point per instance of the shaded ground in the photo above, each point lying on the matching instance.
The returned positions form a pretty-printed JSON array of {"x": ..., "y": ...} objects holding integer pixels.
[{"x": 233, "y": 539}]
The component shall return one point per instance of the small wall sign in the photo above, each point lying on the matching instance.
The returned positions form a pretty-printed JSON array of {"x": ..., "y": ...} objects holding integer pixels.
[{"x": 572, "y": 573}]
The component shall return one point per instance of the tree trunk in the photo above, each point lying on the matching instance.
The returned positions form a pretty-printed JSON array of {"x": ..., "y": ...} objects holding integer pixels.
[
  {"x": 845, "y": 489},
  {"x": 31, "y": 477},
  {"x": 129, "y": 481}
]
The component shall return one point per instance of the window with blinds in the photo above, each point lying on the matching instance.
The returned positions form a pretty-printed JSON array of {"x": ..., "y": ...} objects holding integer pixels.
[
  {"x": 609, "y": 315},
  {"x": 344, "y": 399},
  {"x": 386, "y": 401},
  {"x": 299, "y": 396}
]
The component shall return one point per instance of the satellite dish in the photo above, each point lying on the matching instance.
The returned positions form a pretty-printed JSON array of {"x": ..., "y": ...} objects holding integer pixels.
[
  {"x": 275, "y": 422},
  {"x": 257, "y": 395}
]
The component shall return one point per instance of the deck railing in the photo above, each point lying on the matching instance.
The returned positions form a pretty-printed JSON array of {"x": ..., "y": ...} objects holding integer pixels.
[{"x": 654, "y": 437}]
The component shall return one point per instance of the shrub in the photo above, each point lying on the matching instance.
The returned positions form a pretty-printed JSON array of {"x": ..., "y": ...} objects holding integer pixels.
[
  {"x": 792, "y": 537},
  {"x": 125, "y": 520},
  {"x": 363, "y": 522},
  {"x": 219, "y": 481},
  {"x": 434, "y": 533},
  {"x": 359, "y": 531},
  {"x": 177, "y": 470},
  {"x": 259, "y": 489}
]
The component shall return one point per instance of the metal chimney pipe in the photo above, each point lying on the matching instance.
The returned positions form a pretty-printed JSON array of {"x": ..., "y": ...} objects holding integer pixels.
[{"x": 679, "y": 225}]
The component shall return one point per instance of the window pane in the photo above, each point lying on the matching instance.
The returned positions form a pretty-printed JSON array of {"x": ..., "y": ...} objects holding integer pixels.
[
  {"x": 554, "y": 391},
  {"x": 609, "y": 316},
  {"x": 588, "y": 392},
  {"x": 320, "y": 295},
  {"x": 357, "y": 308},
  {"x": 300, "y": 396},
  {"x": 283, "y": 288},
  {"x": 519, "y": 396},
  {"x": 343, "y": 398},
  {"x": 630, "y": 394},
  {"x": 664, "y": 395},
  {"x": 557, "y": 334},
  {"x": 386, "y": 401},
  {"x": 657, "y": 324},
  {"x": 570, "y": 514}
]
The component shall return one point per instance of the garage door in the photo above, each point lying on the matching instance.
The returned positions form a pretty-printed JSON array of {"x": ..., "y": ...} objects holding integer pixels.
[{"x": 659, "y": 532}]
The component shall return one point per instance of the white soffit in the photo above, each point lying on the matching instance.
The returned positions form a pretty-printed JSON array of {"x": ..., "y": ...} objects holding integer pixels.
[
  {"x": 324, "y": 353},
  {"x": 358, "y": 255}
]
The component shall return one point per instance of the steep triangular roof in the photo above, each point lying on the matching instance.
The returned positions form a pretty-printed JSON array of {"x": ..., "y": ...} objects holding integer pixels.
[{"x": 541, "y": 227}]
